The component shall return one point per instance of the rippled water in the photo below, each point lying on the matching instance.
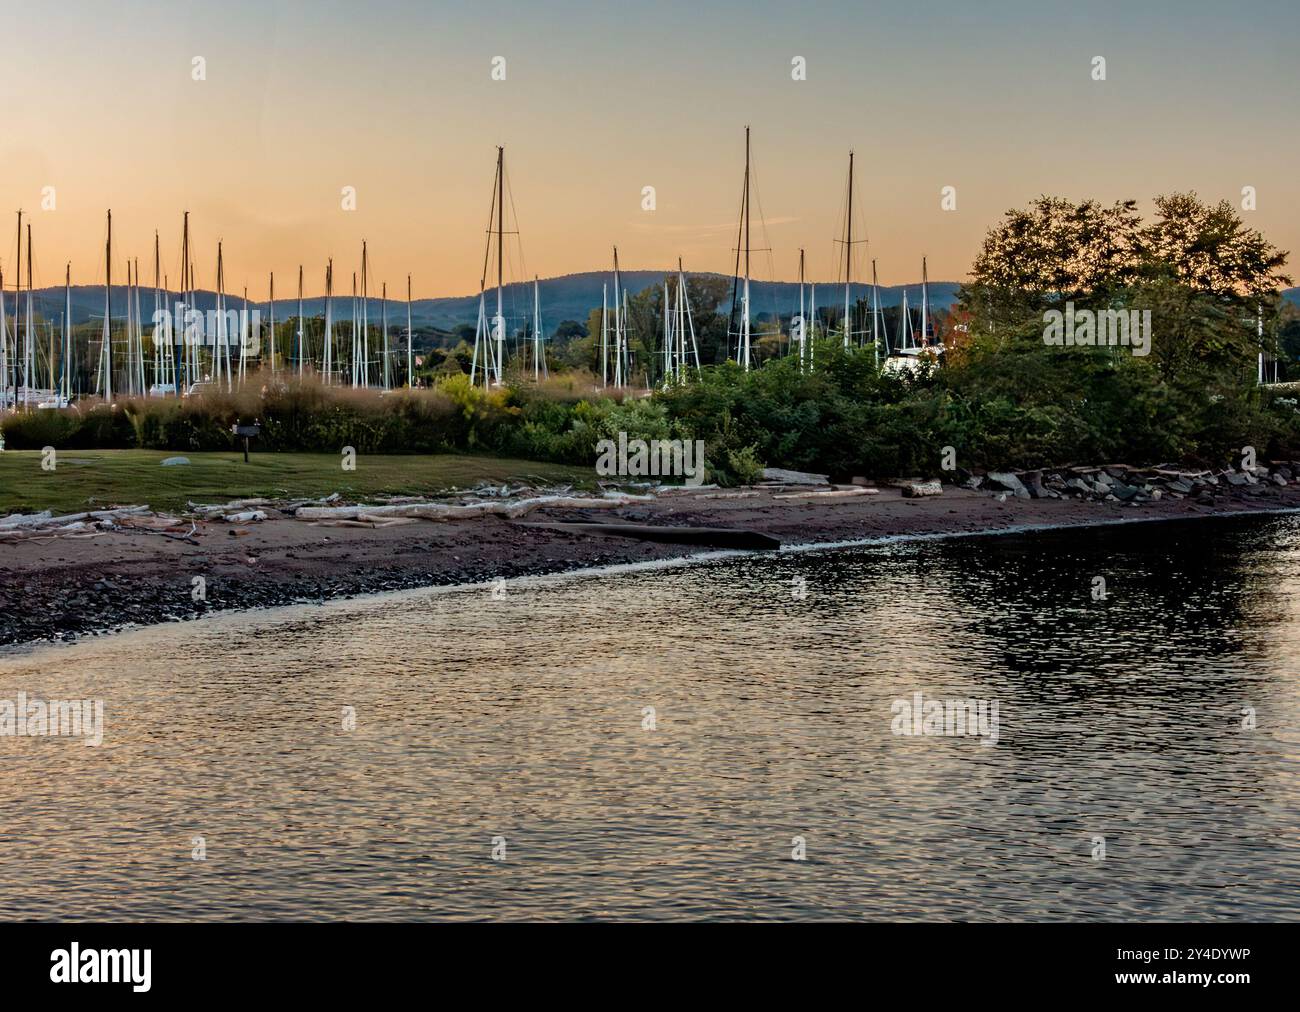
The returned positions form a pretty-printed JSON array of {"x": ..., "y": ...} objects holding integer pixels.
[{"x": 522, "y": 718}]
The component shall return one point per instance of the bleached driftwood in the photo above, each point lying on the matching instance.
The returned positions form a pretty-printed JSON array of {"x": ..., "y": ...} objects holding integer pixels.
[
  {"x": 443, "y": 511},
  {"x": 838, "y": 493}
]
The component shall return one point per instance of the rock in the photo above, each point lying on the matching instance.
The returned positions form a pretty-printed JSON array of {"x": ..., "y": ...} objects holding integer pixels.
[
  {"x": 974, "y": 481},
  {"x": 1124, "y": 492},
  {"x": 795, "y": 477},
  {"x": 1233, "y": 478},
  {"x": 174, "y": 461},
  {"x": 1009, "y": 482},
  {"x": 1277, "y": 479},
  {"x": 1034, "y": 481},
  {"x": 918, "y": 489},
  {"x": 1078, "y": 485},
  {"x": 1180, "y": 486}
]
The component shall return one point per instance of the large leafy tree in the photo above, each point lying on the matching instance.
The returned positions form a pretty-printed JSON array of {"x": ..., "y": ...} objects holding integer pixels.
[{"x": 1207, "y": 278}]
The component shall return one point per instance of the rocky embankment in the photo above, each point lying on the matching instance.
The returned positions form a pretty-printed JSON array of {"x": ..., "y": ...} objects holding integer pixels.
[{"x": 1120, "y": 483}]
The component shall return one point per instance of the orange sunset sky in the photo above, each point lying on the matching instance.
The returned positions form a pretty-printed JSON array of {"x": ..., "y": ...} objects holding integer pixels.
[{"x": 602, "y": 99}]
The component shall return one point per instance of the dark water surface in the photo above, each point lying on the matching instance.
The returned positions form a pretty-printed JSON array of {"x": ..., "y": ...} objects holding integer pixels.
[{"x": 1119, "y": 724}]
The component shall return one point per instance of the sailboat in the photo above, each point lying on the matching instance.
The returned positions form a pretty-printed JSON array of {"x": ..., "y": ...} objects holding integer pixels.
[
  {"x": 914, "y": 348},
  {"x": 622, "y": 360},
  {"x": 679, "y": 324}
]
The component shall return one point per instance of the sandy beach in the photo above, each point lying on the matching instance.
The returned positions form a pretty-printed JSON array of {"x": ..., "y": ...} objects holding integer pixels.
[{"x": 62, "y": 588}]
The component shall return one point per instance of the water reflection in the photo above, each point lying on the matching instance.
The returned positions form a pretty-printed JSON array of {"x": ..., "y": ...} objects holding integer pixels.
[{"x": 524, "y": 718}]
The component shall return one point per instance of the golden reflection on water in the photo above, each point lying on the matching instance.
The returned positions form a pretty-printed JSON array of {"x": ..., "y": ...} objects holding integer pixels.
[{"x": 526, "y": 718}]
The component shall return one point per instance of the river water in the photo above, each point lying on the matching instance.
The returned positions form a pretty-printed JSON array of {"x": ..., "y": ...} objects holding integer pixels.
[{"x": 506, "y": 763}]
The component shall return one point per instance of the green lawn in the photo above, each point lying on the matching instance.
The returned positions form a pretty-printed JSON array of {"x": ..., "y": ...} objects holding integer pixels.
[{"x": 95, "y": 479}]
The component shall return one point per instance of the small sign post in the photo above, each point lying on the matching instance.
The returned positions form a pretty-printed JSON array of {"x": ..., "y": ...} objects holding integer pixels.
[{"x": 248, "y": 432}]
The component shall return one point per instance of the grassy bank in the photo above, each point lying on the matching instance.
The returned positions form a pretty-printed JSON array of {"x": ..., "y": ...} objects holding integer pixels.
[{"x": 94, "y": 479}]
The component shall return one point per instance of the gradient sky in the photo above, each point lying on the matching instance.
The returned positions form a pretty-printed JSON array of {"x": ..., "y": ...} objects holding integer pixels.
[{"x": 601, "y": 99}]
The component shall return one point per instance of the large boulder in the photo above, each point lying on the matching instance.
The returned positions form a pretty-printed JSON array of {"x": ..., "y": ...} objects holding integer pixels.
[{"x": 1008, "y": 482}]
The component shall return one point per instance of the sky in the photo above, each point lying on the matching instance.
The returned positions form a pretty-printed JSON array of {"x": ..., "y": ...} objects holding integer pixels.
[{"x": 397, "y": 100}]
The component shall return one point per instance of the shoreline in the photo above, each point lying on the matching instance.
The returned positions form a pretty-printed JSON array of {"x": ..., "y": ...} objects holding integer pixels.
[{"x": 62, "y": 589}]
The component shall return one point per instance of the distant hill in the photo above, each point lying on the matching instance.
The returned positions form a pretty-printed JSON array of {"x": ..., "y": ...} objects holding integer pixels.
[{"x": 570, "y": 297}]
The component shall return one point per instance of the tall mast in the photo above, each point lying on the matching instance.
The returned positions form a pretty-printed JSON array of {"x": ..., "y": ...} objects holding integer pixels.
[
  {"x": 162, "y": 345},
  {"x": 848, "y": 253},
  {"x": 668, "y": 338},
  {"x": 185, "y": 319},
  {"x": 4, "y": 348},
  {"x": 327, "y": 356},
  {"x": 744, "y": 323},
  {"x": 383, "y": 312},
  {"x": 139, "y": 333},
  {"x": 243, "y": 337},
  {"x": 302, "y": 337},
  {"x": 106, "y": 350},
  {"x": 29, "y": 337},
  {"x": 604, "y": 335},
  {"x": 501, "y": 207},
  {"x": 618, "y": 328},
  {"x": 66, "y": 384},
  {"x": 221, "y": 318},
  {"x": 803, "y": 321},
  {"x": 925, "y": 304},
  {"x": 271, "y": 305},
  {"x": 18, "y": 313},
  {"x": 365, "y": 316},
  {"x": 410, "y": 337},
  {"x": 537, "y": 329},
  {"x": 875, "y": 312}
]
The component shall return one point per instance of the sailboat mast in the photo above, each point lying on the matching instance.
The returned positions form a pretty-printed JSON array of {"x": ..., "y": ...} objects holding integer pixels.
[
  {"x": 106, "y": 351},
  {"x": 383, "y": 313},
  {"x": 327, "y": 356},
  {"x": 271, "y": 323},
  {"x": 803, "y": 321},
  {"x": 537, "y": 330},
  {"x": 501, "y": 205},
  {"x": 744, "y": 324},
  {"x": 18, "y": 314},
  {"x": 875, "y": 312},
  {"x": 302, "y": 337},
  {"x": 29, "y": 362},
  {"x": 410, "y": 337},
  {"x": 618, "y": 328},
  {"x": 925, "y": 304},
  {"x": 66, "y": 382},
  {"x": 365, "y": 315},
  {"x": 848, "y": 253}
]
